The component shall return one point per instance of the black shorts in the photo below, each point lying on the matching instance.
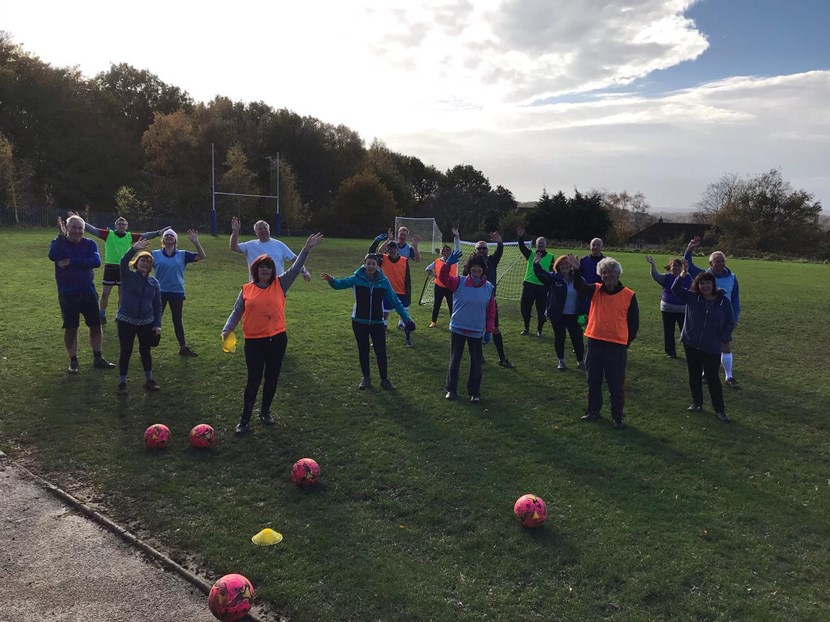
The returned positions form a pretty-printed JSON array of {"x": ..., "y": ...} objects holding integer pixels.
[
  {"x": 73, "y": 306},
  {"x": 112, "y": 275}
]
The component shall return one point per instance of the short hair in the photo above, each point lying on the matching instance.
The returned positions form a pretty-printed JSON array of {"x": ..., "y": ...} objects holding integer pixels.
[
  {"x": 403, "y": 229},
  {"x": 263, "y": 222},
  {"x": 559, "y": 261},
  {"x": 75, "y": 217},
  {"x": 120, "y": 218},
  {"x": 717, "y": 254},
  {"x": 259, "y": 261},
  {"x": 703, "y": 276},
  {"x": 482, "y": 244},
  {"x": 672, "y": 262},
  {"x": 378, "y": 258},
  {"x": 541, "y": 237},
  {"x": 609, "y": 263},
  {"x": 597, "y": 240}
]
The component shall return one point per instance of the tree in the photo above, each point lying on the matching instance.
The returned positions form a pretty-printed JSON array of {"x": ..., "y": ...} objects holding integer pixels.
[
  {"x": 238, "y": 178},
  {"x": 579, "y": 218},
  {"x": 14, "y": 176},
  {"x": 361, "y": 203},
  {"x": 629, "y": 214},
  {"x": 717, "y": 194},
  {"x": 766, "y": 214}
]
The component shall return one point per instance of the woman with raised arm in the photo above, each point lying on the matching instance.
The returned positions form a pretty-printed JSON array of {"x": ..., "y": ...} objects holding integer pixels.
[
  {"x": 707, "y": 330},
  {"x": 564, "y": 306},
  {"x": 261, "y": 307},
  {"x": 371, "y": 288},
  {"x": 473, "y": 317},
  {"x": 440, "y": 292},
  {"x": 170, "y": 263},
  {"x": 672, "y": 308},
  {"x": 139, "y": 313}
]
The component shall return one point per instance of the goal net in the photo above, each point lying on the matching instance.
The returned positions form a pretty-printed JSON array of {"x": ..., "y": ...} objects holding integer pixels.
[
  {"x": 510, "y": 273},
  {"x": 426, "y": 229}
]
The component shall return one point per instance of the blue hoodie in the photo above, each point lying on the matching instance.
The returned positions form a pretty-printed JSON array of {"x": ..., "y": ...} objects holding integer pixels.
[
  {"x": 368, "y": 296},
  {"x": 708, "y": 324},
  {"x": 727, "y": 281}
]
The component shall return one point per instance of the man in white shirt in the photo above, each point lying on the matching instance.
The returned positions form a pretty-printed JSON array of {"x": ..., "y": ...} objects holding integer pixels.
[{"x": 263, "y": 245}]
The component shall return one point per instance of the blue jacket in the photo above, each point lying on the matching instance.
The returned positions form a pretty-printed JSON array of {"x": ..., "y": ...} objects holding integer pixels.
[
  {"x": 557, "y": 292},
  {"x": 708, "y": 324},
  {"x": 140, "y": 296},
  {"x": 727, "y": 281},
  {"x": 368, "y": 296}
]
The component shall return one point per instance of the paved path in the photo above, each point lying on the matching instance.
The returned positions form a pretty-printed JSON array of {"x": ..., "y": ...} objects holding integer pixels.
[{"x": 56, "y": 565}]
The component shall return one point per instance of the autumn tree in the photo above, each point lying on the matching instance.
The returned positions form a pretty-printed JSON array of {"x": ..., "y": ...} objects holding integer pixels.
[{"x": 362, "y": 202}]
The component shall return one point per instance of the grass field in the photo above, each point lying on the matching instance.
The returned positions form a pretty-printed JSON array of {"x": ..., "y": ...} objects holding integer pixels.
[{"x": 678, "y": 517}]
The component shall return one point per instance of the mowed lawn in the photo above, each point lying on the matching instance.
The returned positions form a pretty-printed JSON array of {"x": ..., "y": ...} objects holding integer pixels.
[{"x": 678, "y": 517}]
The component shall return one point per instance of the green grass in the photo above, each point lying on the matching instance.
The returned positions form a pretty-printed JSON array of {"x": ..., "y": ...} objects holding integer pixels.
[{"x": 679, "y": 517}]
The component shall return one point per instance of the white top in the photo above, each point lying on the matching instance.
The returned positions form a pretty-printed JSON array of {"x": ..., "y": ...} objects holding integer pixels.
[{"x": 275, "y": 249}]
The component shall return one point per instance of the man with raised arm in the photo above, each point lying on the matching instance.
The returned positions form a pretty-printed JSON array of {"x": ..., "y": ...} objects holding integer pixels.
[
  {"x": 411, "y": 252},
  {"x": 727, "y": 281},
  {"x": 533, "y": 292},
  {"x": 75, "y": 258},
  {"x": 264, "y": 244},
  {"x": 116, "y": 244}
]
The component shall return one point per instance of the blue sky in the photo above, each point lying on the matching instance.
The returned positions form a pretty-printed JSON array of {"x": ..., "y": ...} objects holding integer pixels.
[{"x": 657, "y": 96}]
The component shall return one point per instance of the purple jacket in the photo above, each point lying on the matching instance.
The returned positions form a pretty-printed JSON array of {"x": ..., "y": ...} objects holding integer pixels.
[{"x": 77, "y": 277}]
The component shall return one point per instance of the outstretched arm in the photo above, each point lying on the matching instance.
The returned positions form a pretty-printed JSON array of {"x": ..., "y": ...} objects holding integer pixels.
[
  {"x": 287, "y": 278},
  {"x": 193, "y": 236},
  {"x": 416, "y": 254},
  {"x": 660, "y": 278},
  {"x": 582, "y": 288},
  {"x": 520, "y": 232},
  {"x": 234, "y": 243}
]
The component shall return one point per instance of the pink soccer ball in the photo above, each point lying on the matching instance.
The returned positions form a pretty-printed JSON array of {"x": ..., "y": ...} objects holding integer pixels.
[
  {"x": 202, "y": 436},
  {"x": 156, "y": 436},
  {"x": 530, "y": 510},
  {"x": 230, "y": 598},
  {"x": 305, "y": 472}
]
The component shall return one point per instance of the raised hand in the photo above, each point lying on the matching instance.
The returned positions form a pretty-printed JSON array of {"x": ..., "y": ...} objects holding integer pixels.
[
  {"x": 454, "y": 257},
  {"x": 415, "y": 240},
  {"x": 572, "y": 261},
  {"x": 326, "y": 276},
  {"x": 141, "y": 243},
  {"x": 520, "y": 231},
  {"x": 650, "y": 260},
  {"x": 313, "y": 240},
  {"x": 192, "y": 235},
  {"x": 455, "y": 232},
  {"x": 61, "y": 227},
  {"x": 495, "y": 236},
  {"x": 685, "y": 268},
  {"x": 694, "y": 243},
  {"x": 235, "y": 225},
  {"x": 381, "y": 237}
]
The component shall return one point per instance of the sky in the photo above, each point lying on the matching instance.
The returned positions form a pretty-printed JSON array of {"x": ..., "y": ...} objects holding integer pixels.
[{"x": 661, "y": 97}]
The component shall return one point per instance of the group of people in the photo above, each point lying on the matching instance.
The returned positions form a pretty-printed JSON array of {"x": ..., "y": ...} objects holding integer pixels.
[{"x": 570, "y": 292}]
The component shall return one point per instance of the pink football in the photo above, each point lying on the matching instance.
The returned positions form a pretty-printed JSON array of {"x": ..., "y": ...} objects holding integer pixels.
[{"x": 156, "y": 436}]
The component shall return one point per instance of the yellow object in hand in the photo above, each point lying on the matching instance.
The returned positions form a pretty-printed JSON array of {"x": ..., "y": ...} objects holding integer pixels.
[{"x": 229, "y": 343}]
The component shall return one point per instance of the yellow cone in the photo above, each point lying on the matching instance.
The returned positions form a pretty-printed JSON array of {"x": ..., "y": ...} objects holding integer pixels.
[
  {"x": 229, "y": 343},
  {"x": 267, "y": 537}
]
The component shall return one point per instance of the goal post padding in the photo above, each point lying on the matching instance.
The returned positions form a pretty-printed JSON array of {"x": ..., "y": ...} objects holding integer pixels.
[{"x": 509, "y": 275}]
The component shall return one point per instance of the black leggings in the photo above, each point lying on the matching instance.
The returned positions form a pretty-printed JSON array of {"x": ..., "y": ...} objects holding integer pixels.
[
  {"x": 377, "y": 333},
  {"x": 176, "y": 305},
  {"x": 670, "y": 318},
  {"x": 700, "y": 363},
  {"x": 560, "y": 324},
  {"x": 457, "y": 343},
  {"x": 440, "y": 293},
  {"x": 533, "y": 294},
  {"x": 126, "y": 338},
  {"x": 263, "y": 356}
]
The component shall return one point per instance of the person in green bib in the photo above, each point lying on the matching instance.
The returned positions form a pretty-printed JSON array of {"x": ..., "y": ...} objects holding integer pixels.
[
  {"x": 116, "y": 244},
  {"x": 533, "y": 291}
]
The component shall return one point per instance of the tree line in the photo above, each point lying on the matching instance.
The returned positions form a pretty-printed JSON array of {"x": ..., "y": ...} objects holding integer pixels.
[{"x": 125, "y": 141}]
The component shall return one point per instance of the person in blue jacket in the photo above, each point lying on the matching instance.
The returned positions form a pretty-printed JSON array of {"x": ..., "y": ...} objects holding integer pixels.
[
  {"x": 371, "y": 287},
  {"x": 139, "y": 313},
  {"x": 672, "y": 308},
  {"x": 707, "y": 329},
  {"x": 727, "y": 281},
  {"x": 169, "y": 263},
  {"x": 564, "y": 305},
  {"x": 473, "y": 319}
]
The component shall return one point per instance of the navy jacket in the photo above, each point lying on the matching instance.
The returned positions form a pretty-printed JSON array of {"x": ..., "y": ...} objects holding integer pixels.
[
  {"x": 708, "y": 324},
  {"x": 557, "y": 292}
]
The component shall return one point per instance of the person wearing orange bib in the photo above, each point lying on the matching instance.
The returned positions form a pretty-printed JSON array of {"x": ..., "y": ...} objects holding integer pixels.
[
  {"x": 396, "y": 269},
  {"x": 439, "y": 288},
  {"x": 613, "y": 322},
  {"x": 261, "y": 307}
]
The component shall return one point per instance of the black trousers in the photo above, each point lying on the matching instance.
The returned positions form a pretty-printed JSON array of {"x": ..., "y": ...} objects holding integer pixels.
[
  {"x": 533, "y": 294},
  {"x": 440, "y": 294},
  {"x": 263, "y": 357},
  {"x": 562, "y": 323},
  {"x": 176, "y": 306},
  {"x": 377, "y": 333},
  {"x": 670, "y": 319},
  {"x": 606, "y": 359},
  {"x": 126, "y": 338},
  {"x": 457, "y": 342},
  {"x": 698, "y": 361}
]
